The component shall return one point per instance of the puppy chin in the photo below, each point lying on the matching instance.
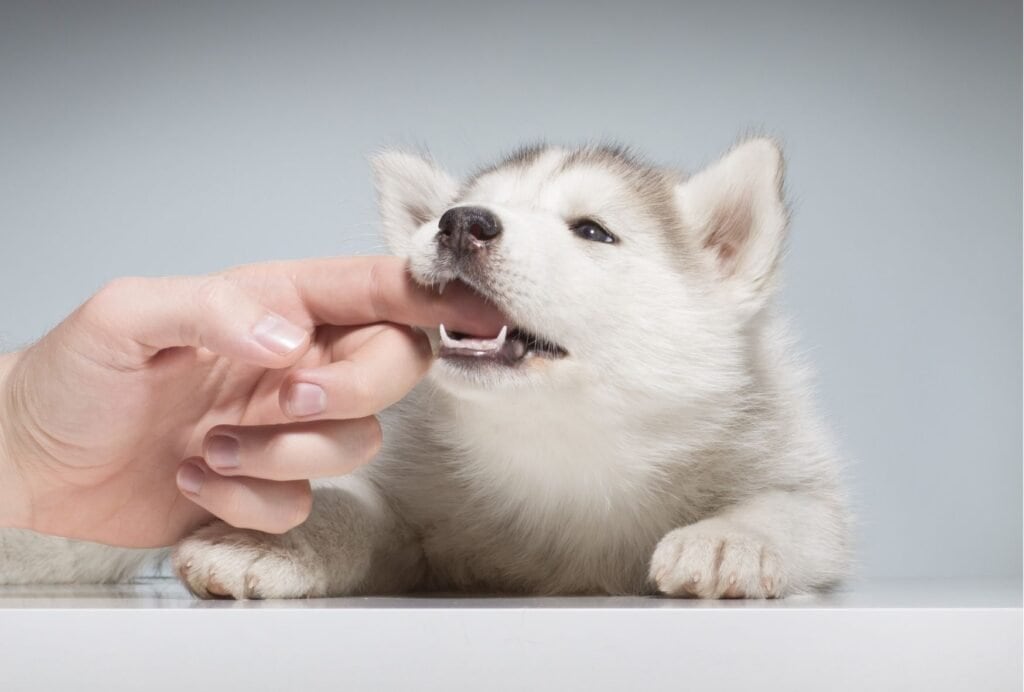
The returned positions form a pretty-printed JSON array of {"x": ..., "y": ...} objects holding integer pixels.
[{"x": 477, "y": 383}]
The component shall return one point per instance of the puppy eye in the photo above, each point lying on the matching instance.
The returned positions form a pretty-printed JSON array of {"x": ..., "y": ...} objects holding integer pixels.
[{"x": 591, "y": 230}]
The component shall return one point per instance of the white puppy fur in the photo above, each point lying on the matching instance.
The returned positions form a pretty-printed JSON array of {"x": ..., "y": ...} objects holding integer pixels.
[{"x": 671, "y": 448}]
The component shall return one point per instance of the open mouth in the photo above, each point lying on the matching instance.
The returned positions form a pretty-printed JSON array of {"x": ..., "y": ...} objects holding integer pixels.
[{"x": 510, "y": 347}]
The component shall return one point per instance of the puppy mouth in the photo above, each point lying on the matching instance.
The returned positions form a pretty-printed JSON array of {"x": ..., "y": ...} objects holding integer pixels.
[{"x": 509, "y": 348}]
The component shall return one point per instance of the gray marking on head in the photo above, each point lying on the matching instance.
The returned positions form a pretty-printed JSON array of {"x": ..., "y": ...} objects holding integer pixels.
[{"x": 521, "y": 157}]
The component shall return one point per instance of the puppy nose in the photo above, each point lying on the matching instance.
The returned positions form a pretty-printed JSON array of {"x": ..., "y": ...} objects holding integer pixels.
[{"x": 468, "y": 229}]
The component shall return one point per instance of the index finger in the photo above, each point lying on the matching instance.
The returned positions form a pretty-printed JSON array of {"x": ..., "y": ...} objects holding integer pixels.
[
  {"x": 364, "y": 290},
  {"x": 382, "y": 370}
]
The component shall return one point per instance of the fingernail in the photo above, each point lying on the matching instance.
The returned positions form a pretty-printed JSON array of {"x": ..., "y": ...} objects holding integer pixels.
[
  {"x": 222, "y": 452},
  {"x": 305, "y": 399},
  {"x": 277, "y": 334},
  {"x": 190, "y": 479}
]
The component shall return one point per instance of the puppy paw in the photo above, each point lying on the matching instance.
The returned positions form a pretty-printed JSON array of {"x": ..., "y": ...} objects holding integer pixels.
[
  {"x": 220, "y": 561},
  {"x": 716, "y": 558}
]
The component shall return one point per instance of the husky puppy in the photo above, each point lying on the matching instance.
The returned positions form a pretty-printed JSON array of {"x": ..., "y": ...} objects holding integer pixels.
[{"x": 639, "y": 426}]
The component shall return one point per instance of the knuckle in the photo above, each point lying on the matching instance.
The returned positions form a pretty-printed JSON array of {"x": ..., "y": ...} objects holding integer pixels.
[
  {"x": 112, "y": 295},
  {"x": 210, "y": 292},
  {"x": 122, "y": 285}
]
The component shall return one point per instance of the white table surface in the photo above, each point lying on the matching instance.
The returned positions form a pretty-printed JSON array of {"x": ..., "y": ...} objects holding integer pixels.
[{"x": 151, "y": 635}]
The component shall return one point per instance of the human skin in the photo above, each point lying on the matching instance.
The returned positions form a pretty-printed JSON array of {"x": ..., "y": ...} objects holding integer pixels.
[{"x": 163, "y": 402}]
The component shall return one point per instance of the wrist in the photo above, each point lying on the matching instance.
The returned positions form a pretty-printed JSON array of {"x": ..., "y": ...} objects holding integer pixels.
[{"x": 13, "y": 500}]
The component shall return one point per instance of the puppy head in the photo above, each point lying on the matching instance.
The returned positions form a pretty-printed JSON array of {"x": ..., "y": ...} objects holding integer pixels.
[{"x": 614, "y": 274}]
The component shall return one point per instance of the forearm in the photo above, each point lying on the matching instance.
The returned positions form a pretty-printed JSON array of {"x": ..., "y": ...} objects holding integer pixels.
[{"x": 13, "y": 503}]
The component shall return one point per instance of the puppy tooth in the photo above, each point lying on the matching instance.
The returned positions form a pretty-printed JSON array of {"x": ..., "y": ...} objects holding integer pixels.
[{"x": 447, "y": 340}]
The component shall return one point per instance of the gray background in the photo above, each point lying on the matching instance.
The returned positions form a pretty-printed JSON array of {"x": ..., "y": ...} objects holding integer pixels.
[{"x": 182, "y": 138}]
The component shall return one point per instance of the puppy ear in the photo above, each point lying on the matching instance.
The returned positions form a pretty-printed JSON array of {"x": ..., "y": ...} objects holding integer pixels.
[
  {"x": 410, "y": 192},
  {"x": 735, "y": 207}
]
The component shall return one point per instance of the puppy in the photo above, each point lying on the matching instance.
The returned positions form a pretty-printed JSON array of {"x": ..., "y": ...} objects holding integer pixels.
[{"x": 639, "y": 426}]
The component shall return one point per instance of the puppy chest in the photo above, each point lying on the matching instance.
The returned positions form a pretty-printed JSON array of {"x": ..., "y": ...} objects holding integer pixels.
[{"x": 560, "y": 547}]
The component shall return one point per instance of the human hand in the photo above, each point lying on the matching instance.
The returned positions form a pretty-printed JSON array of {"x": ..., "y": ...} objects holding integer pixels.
[{"x": 163, "y": 401}]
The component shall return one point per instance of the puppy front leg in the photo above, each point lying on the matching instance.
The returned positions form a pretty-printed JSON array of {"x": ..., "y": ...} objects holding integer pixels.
[
  {"x": 352, "y": 543},
  {"x": 772, "y": 545}
]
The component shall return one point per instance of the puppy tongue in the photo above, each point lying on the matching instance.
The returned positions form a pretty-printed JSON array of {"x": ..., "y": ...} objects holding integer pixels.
[{"x": 474, "y": 344}]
